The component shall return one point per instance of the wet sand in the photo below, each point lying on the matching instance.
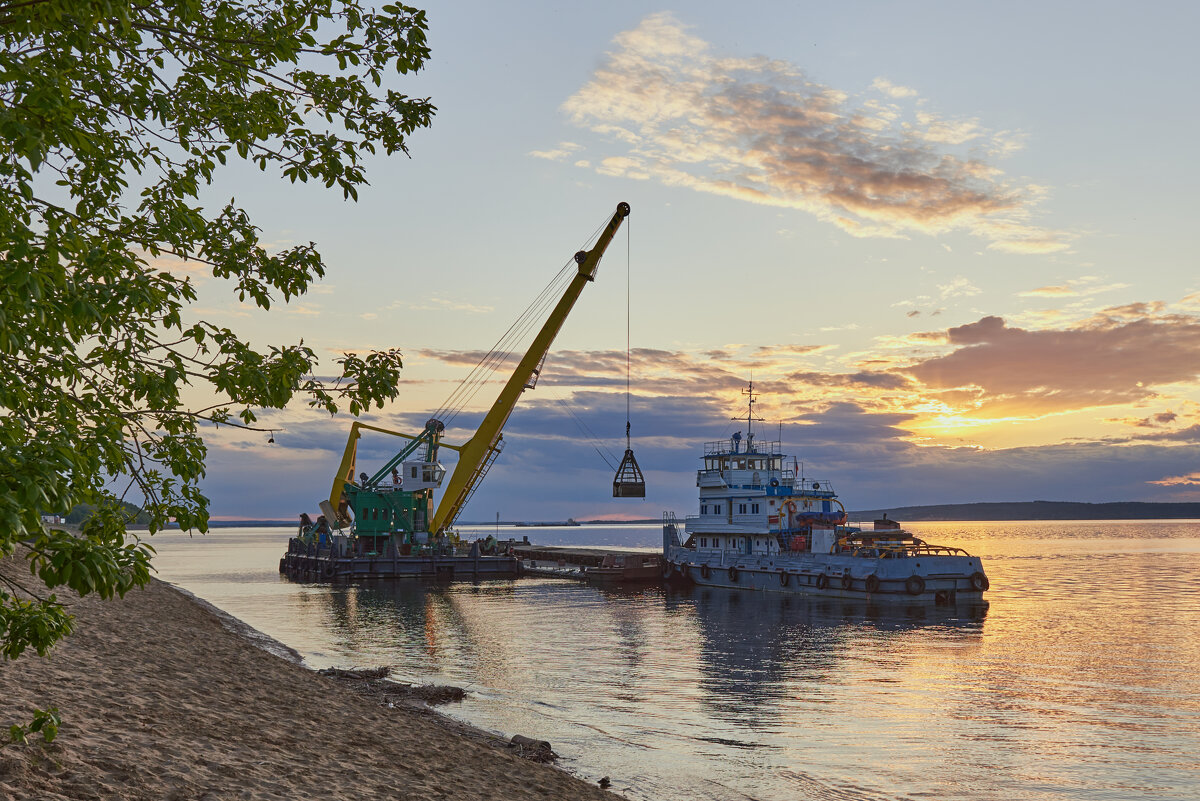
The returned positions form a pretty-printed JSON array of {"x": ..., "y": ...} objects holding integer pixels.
[{"x": 161, "y": 699}]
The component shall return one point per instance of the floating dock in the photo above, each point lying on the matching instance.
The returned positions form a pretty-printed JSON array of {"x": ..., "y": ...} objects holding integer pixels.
[
  {"x": 308, "y": 562},
  {"x": 591, "y": 564}
]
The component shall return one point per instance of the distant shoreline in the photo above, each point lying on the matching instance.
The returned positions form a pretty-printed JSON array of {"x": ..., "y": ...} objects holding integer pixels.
[
  {"x": 1004, "y": 510},
  {"x": 1035, "y": 510}
]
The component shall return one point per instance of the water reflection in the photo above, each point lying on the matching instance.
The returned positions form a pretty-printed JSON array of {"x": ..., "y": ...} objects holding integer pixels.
[
  {"x": 755, "y": 648},
  {"x": 1081, "y": 679}
]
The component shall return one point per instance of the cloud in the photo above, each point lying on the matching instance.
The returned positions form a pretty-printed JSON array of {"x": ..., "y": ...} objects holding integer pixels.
[
  {"x": 441, "y": 304},
  {"x": 1118, "y": 356},
  {"x": 560, "y": 153},
  {"x": 1190, "y": 480},
  {"x": 861, "y": 379},
  {"x": 759, "y": 130},
  {"x": 1078, "y": 287},
  {"x": 1153, "y": 421},
  {"x": 892, "y": 90},
  {"x": 959, "y": 287}
]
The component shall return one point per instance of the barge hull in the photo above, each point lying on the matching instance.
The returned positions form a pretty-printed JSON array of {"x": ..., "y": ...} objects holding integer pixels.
[{"x": 324, "y": 567}]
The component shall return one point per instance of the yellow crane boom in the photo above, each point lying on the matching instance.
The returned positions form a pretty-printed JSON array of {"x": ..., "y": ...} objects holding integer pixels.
[{"x": 475, "y": 455}]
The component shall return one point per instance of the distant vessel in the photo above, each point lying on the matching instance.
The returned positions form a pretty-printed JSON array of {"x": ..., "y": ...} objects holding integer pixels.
[{"x": 764, "y": 527}]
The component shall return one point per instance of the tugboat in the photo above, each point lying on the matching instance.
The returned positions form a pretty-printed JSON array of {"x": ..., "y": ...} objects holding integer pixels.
[{"x": 763, "y": 525}]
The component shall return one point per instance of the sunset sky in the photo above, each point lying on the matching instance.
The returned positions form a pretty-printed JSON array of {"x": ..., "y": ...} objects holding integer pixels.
[{"x": 954, "y": 244}]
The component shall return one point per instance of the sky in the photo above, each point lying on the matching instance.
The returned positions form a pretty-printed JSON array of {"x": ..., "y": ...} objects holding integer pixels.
[{"x": 952, "y": 244}]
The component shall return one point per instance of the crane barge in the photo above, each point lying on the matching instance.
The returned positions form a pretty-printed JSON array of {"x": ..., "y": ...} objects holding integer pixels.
[{"x": 387, "y": 524}]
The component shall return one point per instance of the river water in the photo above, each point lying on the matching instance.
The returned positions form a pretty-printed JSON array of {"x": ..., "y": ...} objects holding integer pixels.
[{"x": 1079, "y": 679}]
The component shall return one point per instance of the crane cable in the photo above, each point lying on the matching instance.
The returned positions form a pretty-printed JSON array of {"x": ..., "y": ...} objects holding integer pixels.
[
  {"x": 503, "y": 350},
  {"x": 628, "y": 260}
]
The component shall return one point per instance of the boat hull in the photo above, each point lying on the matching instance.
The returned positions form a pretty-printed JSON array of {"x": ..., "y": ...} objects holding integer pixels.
[{"x": 932, "y": 579}]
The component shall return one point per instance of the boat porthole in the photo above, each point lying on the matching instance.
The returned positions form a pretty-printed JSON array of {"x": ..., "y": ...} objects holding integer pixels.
[
  {"x": 733, "y": 573},
  {"x": 915, "y": 585},
  {"x": 822, "y": 581},
  {"x": 783, "y": 578}
]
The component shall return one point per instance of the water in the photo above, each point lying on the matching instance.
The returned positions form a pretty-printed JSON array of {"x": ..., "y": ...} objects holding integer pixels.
[{"x": 1080, "y": 679}]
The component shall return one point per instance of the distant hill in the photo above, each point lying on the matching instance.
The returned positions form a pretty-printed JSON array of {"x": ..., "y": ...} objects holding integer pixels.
[{"x": 1036, "y": 510}]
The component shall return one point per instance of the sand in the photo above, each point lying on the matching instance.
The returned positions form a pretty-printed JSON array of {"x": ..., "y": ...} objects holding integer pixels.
[{"x": 160, "y": 699}]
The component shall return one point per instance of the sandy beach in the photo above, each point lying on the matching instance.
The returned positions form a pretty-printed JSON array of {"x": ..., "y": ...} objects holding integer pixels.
[{"x": 161, "y": 699}]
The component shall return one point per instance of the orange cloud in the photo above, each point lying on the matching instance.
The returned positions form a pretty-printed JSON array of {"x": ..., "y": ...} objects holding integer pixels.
[
  {"x": 759, "y": 130},
  {"x": 1190, "y": 480},
  {"x": 1119, "y": 356}
]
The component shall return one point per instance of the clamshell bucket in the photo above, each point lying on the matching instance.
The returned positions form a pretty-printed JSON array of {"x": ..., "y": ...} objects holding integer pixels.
[{"x": 629, "y": 482}]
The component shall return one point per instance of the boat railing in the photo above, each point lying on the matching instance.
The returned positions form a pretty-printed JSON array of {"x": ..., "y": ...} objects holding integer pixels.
[
  {"x": 723, "y": 447},
  {"x": 901, "y": 551}
]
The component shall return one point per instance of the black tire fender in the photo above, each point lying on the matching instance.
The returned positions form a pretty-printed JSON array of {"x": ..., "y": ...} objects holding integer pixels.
[
  {"x": 872, "y": 583},
  {"x": 979, "y": 582},
  {"x": 784, "y": 578},
  {"x": 915, "y": 585},
  {"x": 733, "y": 573},
  {"x": 822, "y": 581}
]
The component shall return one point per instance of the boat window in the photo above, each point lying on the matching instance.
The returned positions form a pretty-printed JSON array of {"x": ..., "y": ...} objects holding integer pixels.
[
  {"x": 754, "y": 508},
  {"x": 741, "y": 508},
  {"x": 704, "y": 508},
  {"x": 718, "y": 509},
  {"x": 704, "y": 542}
]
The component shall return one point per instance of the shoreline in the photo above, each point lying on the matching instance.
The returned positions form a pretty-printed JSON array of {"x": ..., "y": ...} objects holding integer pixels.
[{"x": 162, "y": 695}]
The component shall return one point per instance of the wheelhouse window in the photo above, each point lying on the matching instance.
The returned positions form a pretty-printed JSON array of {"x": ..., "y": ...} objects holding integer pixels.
[{"x": 717, "y": 509}]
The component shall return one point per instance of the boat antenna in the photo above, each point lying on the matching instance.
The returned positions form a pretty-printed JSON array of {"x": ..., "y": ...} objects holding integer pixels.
[{"x": 750, "y": 416}]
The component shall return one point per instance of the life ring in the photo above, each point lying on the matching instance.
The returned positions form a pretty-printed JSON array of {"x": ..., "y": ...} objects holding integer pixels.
[
  {"x": 783, "y": 578},
  {"x": 822, "y": 581},
  {"x": 915, "y": 585},
  {"x": 847, "y": 582},
  {"x": 733, "y": 573},
  {"x": 329, "y": 571},
  {"x": 872, "y": 583},
  {"x": 979, "y": 582},
  {"x": 705, "y": 571}
]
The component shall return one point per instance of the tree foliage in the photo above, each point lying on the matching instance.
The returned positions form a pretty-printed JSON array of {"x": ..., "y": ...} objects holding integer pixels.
[{"x": 115, "y": 117}]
